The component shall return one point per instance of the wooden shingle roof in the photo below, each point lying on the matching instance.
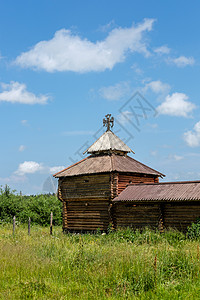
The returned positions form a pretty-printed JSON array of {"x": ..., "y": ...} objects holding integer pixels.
[
  {"x": 108, "y": 142},
  {"x": 107, "y": 163},
  {"x": 165, "y": 191}
]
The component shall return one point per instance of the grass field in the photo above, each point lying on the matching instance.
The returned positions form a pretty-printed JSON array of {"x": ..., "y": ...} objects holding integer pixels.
[{"x": 120, "y": 265}]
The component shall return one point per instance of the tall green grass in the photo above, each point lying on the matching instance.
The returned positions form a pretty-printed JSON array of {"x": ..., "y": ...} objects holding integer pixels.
[{"x": 120, "y": 265}]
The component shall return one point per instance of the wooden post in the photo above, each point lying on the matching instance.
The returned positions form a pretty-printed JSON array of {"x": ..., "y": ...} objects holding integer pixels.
[
  {"x": 51, "y": 223},
  {"x": 29, "y": 226},
  {"x": 14, "y": 225}
]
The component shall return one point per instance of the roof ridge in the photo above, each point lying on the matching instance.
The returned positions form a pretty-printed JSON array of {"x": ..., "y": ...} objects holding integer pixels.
[
  {"x": 72, "y": 165},
  {"x": 93, "y": 143},
  {"x": 166, "y": 182}
]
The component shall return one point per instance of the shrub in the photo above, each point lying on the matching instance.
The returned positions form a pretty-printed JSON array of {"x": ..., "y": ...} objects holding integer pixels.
[
  {"x": 193, "y": 231},
  {"x": 38, "y": 208}
]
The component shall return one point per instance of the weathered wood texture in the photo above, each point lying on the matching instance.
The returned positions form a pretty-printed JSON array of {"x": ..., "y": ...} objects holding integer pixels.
[
  {"x": 114, "y": 184},
  {"x": 124, "y": 179},
  {"x": 86, "y": 198},
  {"x": 180, "y": 215},
  {"x": 177, "y": 215},
  {"x": 86, "y": 187},
  {"x": 86, "y": 201},
  {"x": 87, "y": 215},
  {"x": 135, "y": 215}
]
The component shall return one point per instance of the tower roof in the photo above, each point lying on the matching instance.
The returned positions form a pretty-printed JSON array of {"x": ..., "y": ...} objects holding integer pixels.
[
  {"x": 108, "y": 142},
  {"x": 108, "y": 154},
  {"x": 94, "y": 164}
]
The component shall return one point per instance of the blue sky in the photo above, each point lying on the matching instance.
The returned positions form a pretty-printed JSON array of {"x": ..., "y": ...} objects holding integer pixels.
[{"x": 65, "y": 64}]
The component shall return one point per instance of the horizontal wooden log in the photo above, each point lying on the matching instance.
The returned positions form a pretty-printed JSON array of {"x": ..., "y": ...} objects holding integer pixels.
[
  {"x": 88, "y": 222},
  {"x": 180, "y": 218},
  {"x": 85, "y": 197},
  {"x": 91, "y": 202},
  {"x": 137, "y": 221},
  {"x": 90, "y": 227},
  {"x": 86, "y": 211},
  {"x": 85, "y": 219}
]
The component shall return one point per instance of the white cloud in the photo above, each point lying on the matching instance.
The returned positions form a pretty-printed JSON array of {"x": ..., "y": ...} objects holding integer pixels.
[
  {"x": 16, "y": 92},
  {"x": 68, "y": 52},
  {"x": 176, "y": 105},
  {"x": 175, "y": 157},
  {"x": 13, "y": 179},
  {"x": 107, "y": 27},
  {"x": 178, "y": 157},
  {"x": 124, "y": 117},
  {"x": 136, "y": 69},
  {"x": 29, "y": 167},
  {"x": 192, "y": 138},
  {"x": 162, "y": 50},
  {"x": 56, "y": 169},
  {"x": 24, "y": 122},
  {"x": 115, "y": 92},
  {"x": 22, "y": 148},
  {"x": 183, "y": 61},
  {"x": 157, "y": 87}
]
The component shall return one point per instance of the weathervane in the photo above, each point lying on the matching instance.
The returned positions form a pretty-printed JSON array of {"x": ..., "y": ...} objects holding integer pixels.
[{"x": 108, "y": 121}]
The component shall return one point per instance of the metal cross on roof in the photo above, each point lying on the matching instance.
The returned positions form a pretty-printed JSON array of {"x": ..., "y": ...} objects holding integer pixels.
[{"x": 108, "y": 121}]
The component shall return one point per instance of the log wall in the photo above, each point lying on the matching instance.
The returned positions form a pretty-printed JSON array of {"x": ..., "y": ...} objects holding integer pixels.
[
  {"x": 86, "y": 201},
  {"x": 86, "y": 187},
  {"x": 135, "y": 215},
  {"x": 87, "y": 215},
  {"x": 178, "y": 215},
  {"x": 124, "y": 179}
]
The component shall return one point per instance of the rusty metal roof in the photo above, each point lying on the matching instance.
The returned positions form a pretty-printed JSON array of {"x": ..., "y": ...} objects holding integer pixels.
[
  {"x": 107, "y": 163},
  {"x": 166, "y": 191},
  {"x": 108, "y": 141}
]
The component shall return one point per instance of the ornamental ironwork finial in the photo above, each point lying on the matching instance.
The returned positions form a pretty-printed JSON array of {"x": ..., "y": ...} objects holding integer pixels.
[{"x": 108, "y": 121}]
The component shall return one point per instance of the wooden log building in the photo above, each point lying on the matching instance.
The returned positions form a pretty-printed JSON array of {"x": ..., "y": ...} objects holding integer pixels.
[
  {"x": 161, "y": 205},
  {"x": 111, "y": 188}
]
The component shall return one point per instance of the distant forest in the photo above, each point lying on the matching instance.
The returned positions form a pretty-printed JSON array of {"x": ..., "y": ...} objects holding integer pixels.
[{"x": 37, "y": 207}]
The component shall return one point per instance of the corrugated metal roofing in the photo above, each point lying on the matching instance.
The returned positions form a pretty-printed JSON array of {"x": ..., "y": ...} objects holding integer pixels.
[
  {"x": 166, "y": 191},
  {"x": 108, "y": 142},
  {"x": 107, "y": 163}
]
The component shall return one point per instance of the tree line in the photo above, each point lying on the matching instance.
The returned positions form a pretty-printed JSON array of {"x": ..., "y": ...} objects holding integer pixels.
[{"x": 37, "y": 207}]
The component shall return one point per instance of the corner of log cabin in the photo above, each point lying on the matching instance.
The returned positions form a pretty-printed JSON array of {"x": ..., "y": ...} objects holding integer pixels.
[
  {"x": 88, "y": 187},
  {"x": 86, "y": 200}
]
